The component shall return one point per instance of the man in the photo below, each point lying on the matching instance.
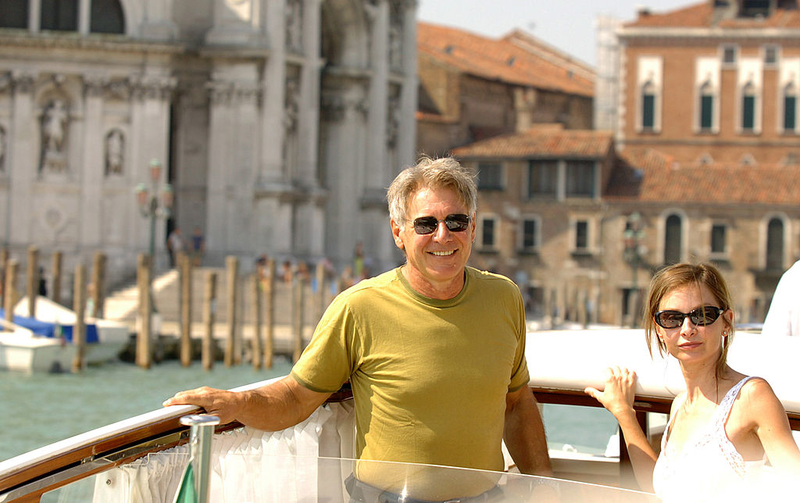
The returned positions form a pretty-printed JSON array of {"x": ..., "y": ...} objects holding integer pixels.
[
  {"x": 434, "y": 350},
  {"x": 174, "y": 245},
  {"x": 783, "y": 317}
]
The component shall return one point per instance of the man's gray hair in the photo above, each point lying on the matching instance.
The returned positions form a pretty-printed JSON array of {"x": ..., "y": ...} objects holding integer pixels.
[{"x": 433, "y": 174}]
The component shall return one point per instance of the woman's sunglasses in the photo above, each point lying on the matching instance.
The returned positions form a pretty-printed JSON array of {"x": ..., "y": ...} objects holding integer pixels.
[
  {"x": 458, "y": 222},
  {"x": 701, "y": 317}
]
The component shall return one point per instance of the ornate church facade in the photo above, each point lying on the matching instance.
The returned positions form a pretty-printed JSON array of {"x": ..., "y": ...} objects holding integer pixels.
[{"x": 278, "y": 123}]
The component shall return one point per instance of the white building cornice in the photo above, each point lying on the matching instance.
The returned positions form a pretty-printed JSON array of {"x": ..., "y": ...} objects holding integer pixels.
[{"x": 716, "y": 33}]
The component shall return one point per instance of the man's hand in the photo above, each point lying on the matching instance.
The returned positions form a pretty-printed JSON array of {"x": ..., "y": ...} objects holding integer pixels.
[{"x": 221, "y": 403}]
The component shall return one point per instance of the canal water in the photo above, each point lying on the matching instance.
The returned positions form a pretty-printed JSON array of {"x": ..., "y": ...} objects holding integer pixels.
[{"x": 38, "y": 409}]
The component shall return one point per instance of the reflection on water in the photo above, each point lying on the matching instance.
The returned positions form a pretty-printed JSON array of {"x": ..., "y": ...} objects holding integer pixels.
[{"x": 39, "y": 409}]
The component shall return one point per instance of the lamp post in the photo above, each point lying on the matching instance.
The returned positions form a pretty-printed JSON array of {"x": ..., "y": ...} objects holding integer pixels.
[
  {"x": 151, "y": 207},
  {"x": 633, "y": 236}
]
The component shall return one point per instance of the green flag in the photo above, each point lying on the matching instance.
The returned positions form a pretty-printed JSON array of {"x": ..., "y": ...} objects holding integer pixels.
[{"x": 187, "y": 492}]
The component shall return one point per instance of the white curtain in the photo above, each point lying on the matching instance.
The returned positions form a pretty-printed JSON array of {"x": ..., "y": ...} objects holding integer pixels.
[{"x": 247, "y": 465}]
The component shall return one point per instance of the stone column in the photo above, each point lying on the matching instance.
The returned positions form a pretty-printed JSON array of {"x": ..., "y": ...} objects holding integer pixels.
[
  {"x": 236, "y": 22},
  {"x": 220, "y": 137},
  {"x": 310, "y": 231},
  {"x": 22, "y": 158},
  {"x": 375, "y": 175},
  {"x": 84, "y": 16},
  {"x": 157, "y": 21},
  {"x": 35, "y": 15},
  {"x": 345, "y": 109},
  {"x": 407, "y": 135},
  {"x": 233, "y": 159},
  {"x": 274, "y": 212},
  {"x": 93, "y": 154}
]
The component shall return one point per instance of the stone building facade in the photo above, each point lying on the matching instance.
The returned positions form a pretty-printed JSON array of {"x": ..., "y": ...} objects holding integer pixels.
[{"x": 279, "y": 124}]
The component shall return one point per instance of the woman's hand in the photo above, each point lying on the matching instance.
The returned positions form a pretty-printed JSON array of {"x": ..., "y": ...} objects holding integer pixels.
[{"x": 619, "y": 391}]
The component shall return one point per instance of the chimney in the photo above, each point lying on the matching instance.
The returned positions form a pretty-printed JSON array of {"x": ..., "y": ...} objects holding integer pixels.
[{"x": 642, "y": 11}]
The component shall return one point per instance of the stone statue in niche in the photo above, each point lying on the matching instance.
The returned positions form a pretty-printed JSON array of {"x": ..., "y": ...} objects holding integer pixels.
[
  {"x": 294, "y": 25},
  {"x": 396, "y": 44},
  {"x": 55, "y": 124},
  {"x": 291, "y": 114},
  {"x": 115, "y": 143}
]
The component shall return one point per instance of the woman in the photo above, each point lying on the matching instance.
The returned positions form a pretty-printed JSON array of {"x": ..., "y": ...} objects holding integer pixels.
[{"x": 725, "y": 426}]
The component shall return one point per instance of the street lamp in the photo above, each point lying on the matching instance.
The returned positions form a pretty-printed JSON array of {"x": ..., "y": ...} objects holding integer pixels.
[
  {"x": 149, "y": 204},
  {"x": 150, "y": 207},
  {"x": 633, "y": 236}
]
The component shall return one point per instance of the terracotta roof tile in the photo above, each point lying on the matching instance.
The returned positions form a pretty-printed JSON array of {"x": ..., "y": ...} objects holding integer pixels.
[
  {"x": 541, "y": 141},
  {"x": 502, "y": 60},
  {"x": 693, "y": 16},
  {"x": 650, "y": 176},
  {"x": 701, "y": 15}
]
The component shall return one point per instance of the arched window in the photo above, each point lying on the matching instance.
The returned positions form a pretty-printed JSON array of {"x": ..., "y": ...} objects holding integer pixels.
[
  {"x": 648, "y": 106},
  {"x": 13, "y": 14},
  {"x": 59, "y": 15},
  {"x": 775, "y": 245},
  {"x": 107, "y": 17},
  {"x": 789, "y": 107},
  {"x": 706, "y": 107},
  {"x": 673, "y": 236},
  {"x": 749, "y": 107}
]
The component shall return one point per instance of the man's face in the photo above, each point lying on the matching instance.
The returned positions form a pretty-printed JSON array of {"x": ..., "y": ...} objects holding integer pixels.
[{"x": 435, "y": 261}]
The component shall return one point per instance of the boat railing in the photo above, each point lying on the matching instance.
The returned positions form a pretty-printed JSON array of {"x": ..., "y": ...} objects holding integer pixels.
[{"x": 560, "y": 379}]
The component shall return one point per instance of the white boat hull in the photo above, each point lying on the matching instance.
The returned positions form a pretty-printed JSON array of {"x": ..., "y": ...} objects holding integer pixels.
[{"x": 24, "y": 353}]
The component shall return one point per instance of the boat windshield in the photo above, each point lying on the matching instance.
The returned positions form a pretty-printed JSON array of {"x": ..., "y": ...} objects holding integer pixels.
[{"x": 296, "y": 478}]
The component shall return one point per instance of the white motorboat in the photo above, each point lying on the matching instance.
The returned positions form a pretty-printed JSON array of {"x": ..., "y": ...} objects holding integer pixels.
[
  {"x": 105, "y": 338},
  {"x": 23, "y": 351},
  {"x": 141, "y": 459}
]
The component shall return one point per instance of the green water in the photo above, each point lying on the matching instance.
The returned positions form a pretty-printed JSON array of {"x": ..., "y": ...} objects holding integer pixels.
[{"x": 38, "y": 409}]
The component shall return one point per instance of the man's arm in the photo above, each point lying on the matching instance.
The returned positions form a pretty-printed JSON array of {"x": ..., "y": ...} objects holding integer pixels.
[
  {"x": 272, "y": 407},
  {"x": 524, "y": 433}
]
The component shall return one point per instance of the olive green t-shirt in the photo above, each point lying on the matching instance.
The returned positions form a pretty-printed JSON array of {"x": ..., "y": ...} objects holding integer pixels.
[{"x": 429, "y": 377}]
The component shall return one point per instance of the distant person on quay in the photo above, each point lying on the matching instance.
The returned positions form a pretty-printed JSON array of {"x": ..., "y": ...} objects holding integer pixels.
[
  {"x": 783, "y": 317},
  {"x": 726, "y": 425},
  {"x": 434, "y": 351},
  {"x": 174, "y": 245}
]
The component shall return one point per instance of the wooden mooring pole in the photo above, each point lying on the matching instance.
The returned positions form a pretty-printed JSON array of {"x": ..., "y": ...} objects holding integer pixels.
[
  {"x": 58, "y": 260},
  {"x": 32, "y": 277},
  {"x": 98, "y": 284},
  {"x": 298, "y": 301},
  {"x": 3, "y": 269},
  {"x": 257, "y": 322},
  {"x": 232, "y": 267},
  {"x": 144, "y": 354},
  {"x": 209, "y": 311},
  {"x": 10, "y": 289},
  {"x": 79, "y": 329},
  {"x": 185, "y": 268},
  {"x": 269, "y": 314}
]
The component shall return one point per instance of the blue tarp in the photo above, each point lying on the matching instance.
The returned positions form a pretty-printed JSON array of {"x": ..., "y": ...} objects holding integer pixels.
[{"x": 48, "y": 329}]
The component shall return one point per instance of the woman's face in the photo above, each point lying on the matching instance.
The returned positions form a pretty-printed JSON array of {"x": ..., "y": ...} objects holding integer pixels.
[{"x": 691, "y": 343}]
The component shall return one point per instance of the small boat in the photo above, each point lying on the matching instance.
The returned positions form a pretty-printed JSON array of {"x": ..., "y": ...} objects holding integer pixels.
[
  {"x": 105, "y": 339},
  {"x": 23, "y": 350},
  {"x": 142, "y": 458}
]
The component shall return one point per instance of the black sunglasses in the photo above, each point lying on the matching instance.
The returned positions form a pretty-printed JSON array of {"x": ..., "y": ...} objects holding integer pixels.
[
  {"x": 458, "y": 222},
  {"x": 701, "y": 317}
]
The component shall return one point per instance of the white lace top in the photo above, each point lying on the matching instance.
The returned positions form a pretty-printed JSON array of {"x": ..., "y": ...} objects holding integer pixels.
[{"x": 708, "y": 468}]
